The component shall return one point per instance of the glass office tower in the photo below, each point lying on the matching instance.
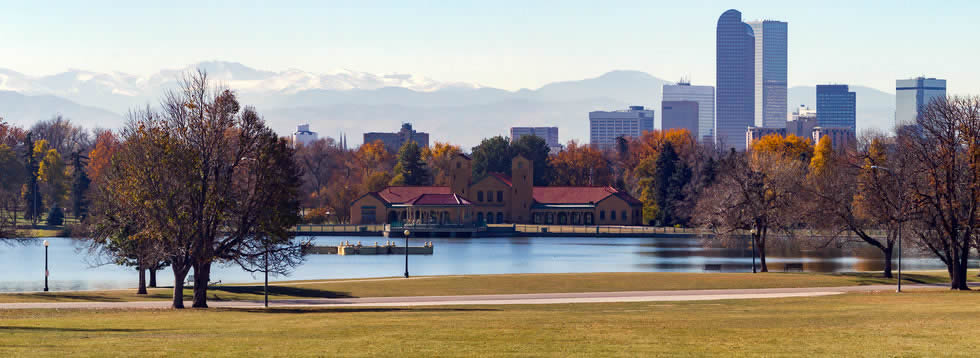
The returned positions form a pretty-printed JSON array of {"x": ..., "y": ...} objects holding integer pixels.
[
  {"x": 704, "y": 96},
  {"x": 735, "y": 80},
  {"x": 913, "y": 95},
  {"x": 836, "y": 107},
  {"x": 770, "y": 73}
]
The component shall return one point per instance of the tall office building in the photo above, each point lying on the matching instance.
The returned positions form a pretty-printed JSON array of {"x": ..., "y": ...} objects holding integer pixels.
[
  {"x": 913, "y": 95},
  {"x": 704, "y": 96},
  {"x": 303, "y": 135},
  {"x": 836, "y": 107},
  {"x": 735, "y": 78},
  {"x": 549, "y": 134},
  {"x": 770, "y": 72},
  {"x": 604, "y": 127},
  {"x": 680, "y": 115}
]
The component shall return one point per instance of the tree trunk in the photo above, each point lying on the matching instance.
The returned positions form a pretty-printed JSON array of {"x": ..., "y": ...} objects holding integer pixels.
[
  {"x": 957, "y": 275},
  {"x": 762, "y": 258},
  {"x": 179, "y": 275},
  {"x": 153, "y": 277},
  {"x": 141, "y": 290},
  {"x": 887, "y": 250},
  {"x": 202, "y": 275}
]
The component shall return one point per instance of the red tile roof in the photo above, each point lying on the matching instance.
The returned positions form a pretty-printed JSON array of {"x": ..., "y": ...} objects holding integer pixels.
[
  {"x": 577, "y": 194},
  {"x": 503, "y": 177},
  {"x": 402, "y": 194},
  {"x": 439, "y": 200}
]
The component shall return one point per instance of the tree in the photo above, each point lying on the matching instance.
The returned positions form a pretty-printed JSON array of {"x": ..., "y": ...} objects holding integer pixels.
[
  {"x": 79, "y": 186},
  {"x": 755, "y": 193},
  {"x": 51, "y": 172},
  {"x": 850, "y": 193},
  {"x": 580, "y": 165},
  {"x": 439, "y": 157},
  {"x": 31, "y": 193},
  {"x": 373, "y": 157},
  {"x": 493, "y": 155},
  {"x": 411, "y": 169},
  {"x": 321, "y": 160},
  {"x": 789, "y": 146},
  {"x": 62, "y": 135},
  {"x": 536, "y": 149},
  {"x": 671, "y": 175},
  {"x": 200, "y": 176},
  {"x": 14, "y": 175},
  {"x": 943, "y": 149}
]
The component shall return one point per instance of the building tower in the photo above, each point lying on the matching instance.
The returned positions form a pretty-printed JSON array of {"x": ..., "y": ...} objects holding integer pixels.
[
  {"x": 735, "y": 79},
  {"x": 913, "y": 95},
  {"x": 460, "y": 174},
  {"x": 836, "y": 107},
  {"x": 771, "y": 59},
  {"x": 522, "y": 180}
]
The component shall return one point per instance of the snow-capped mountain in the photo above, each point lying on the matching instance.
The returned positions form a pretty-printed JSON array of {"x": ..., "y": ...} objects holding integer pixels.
[{"x": 355, "y": 102}]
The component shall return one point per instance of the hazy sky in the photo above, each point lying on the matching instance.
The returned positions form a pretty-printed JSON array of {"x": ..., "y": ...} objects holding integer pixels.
[{"x": 505, "y": 44}]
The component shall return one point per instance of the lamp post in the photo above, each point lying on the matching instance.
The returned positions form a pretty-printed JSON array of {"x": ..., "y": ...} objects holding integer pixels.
[
  {"x": 752, "y": 239},
  {"x": 900, "y": 206},
  {"x": 407, "y": 233},
  {"x": 46, "y": 265}
]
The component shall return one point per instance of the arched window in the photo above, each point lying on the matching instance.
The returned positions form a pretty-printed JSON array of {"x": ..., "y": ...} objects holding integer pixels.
[
  {"x": 489, "y": 218},
  {"x": 500, "y": 217},
  {"x": 479, "y": 217}
]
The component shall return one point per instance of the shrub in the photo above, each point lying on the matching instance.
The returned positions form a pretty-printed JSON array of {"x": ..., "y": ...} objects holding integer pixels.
[{"x": 56, "y": 217}]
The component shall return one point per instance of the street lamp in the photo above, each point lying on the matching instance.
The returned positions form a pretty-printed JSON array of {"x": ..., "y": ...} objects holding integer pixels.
[
  {"x": 900, "y": 206},
  {"x": 45, "y": 265},
  {"x": 752, "y": 239},
  {"x": 407, "y": 233}
]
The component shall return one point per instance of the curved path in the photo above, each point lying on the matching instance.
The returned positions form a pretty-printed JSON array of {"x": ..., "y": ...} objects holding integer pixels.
[{"x": 509, "y": 299}]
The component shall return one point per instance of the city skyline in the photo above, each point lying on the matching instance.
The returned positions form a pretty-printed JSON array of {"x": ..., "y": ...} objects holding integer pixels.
[{"x": 536, "y": 43}]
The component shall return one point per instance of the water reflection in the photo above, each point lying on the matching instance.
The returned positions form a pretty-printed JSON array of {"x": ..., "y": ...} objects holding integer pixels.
[{"x": 22, "y": 266}]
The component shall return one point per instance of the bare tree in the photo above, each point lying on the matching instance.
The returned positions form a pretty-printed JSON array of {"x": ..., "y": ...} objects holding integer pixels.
[
  {"x": 755, "y": 193},
  {"x": 862, "y": 193},
  {"x": 944, "y": 150}
]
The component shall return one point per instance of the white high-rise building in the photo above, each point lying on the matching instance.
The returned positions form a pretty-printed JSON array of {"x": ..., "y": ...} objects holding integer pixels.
[
  {"x": 771, "y": 59},
  {"x": 704, "y": 96},
  {"x": 303, "y": 135},
  {"x": 604, "y": 126},
  {"x": 913, "y": 95}
]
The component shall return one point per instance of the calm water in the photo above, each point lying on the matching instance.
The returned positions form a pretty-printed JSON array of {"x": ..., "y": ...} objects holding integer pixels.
[{"x": 22, "y": 266}]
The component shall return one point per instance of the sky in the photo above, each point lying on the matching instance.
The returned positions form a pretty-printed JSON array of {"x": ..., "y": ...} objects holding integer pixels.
[{"x": 503, "y": 44}]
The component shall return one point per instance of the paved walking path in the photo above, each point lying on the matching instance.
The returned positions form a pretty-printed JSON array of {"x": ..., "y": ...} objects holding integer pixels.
[{"x": 510, "y": 299}]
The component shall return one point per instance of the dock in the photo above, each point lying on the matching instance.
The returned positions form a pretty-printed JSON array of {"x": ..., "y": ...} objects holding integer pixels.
[{"x": 387, "y": 248}]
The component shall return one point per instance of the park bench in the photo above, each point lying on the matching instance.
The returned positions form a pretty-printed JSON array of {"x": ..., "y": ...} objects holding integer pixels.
[
  {"x": 793, "y": 267},
  {"x": 712, "y": 267}
]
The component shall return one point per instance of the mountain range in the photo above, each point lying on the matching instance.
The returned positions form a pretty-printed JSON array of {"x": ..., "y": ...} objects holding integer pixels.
[{"x": 353, "y": 102}]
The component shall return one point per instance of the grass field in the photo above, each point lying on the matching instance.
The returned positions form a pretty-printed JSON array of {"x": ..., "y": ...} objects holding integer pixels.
[
  {"x": 922, "y": 323},
  {"x": 496, "y": 284}
]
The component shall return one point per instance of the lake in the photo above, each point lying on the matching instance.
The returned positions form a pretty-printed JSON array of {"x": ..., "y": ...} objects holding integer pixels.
[{"x": 72, "y": 268}]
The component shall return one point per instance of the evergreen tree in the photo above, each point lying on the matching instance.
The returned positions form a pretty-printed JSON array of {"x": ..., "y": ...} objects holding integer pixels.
[
  {"x": 411, "y": 169},
  {"x": 32, "y": 195},
  {"x": 493, "y": 155},
  {"x": 669, "y": 179},
  {"x": 79, "y": 186}
]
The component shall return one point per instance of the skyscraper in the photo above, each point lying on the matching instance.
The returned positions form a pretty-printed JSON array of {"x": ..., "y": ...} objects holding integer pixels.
[
  {"x": 770, "y": 72},
  {"x": 735, "y": 78},
  {"x": 836, "y": 107},
  {"x": 604, "y": 127},
  {"x": 913, "y": 95},
  {"x": 704, "y": 96},
  {"x": 680, "y": 115}
]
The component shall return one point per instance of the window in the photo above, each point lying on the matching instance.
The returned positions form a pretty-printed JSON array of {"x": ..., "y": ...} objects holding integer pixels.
[
  {"x": 602, "y": 215},
  {"x": 479, "y": 196},
  {"x": 489, "y": 218},
  {"x": 500, "y": 196},
  {"x": 500, "y": 217},
  {"x": 624, "y": 215},
  {"x": 458, "y": 165},
  {"x": 479, "y": 217},
  {"x": 612, "y": 214},
  {"x": 368, "y": 215}
]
